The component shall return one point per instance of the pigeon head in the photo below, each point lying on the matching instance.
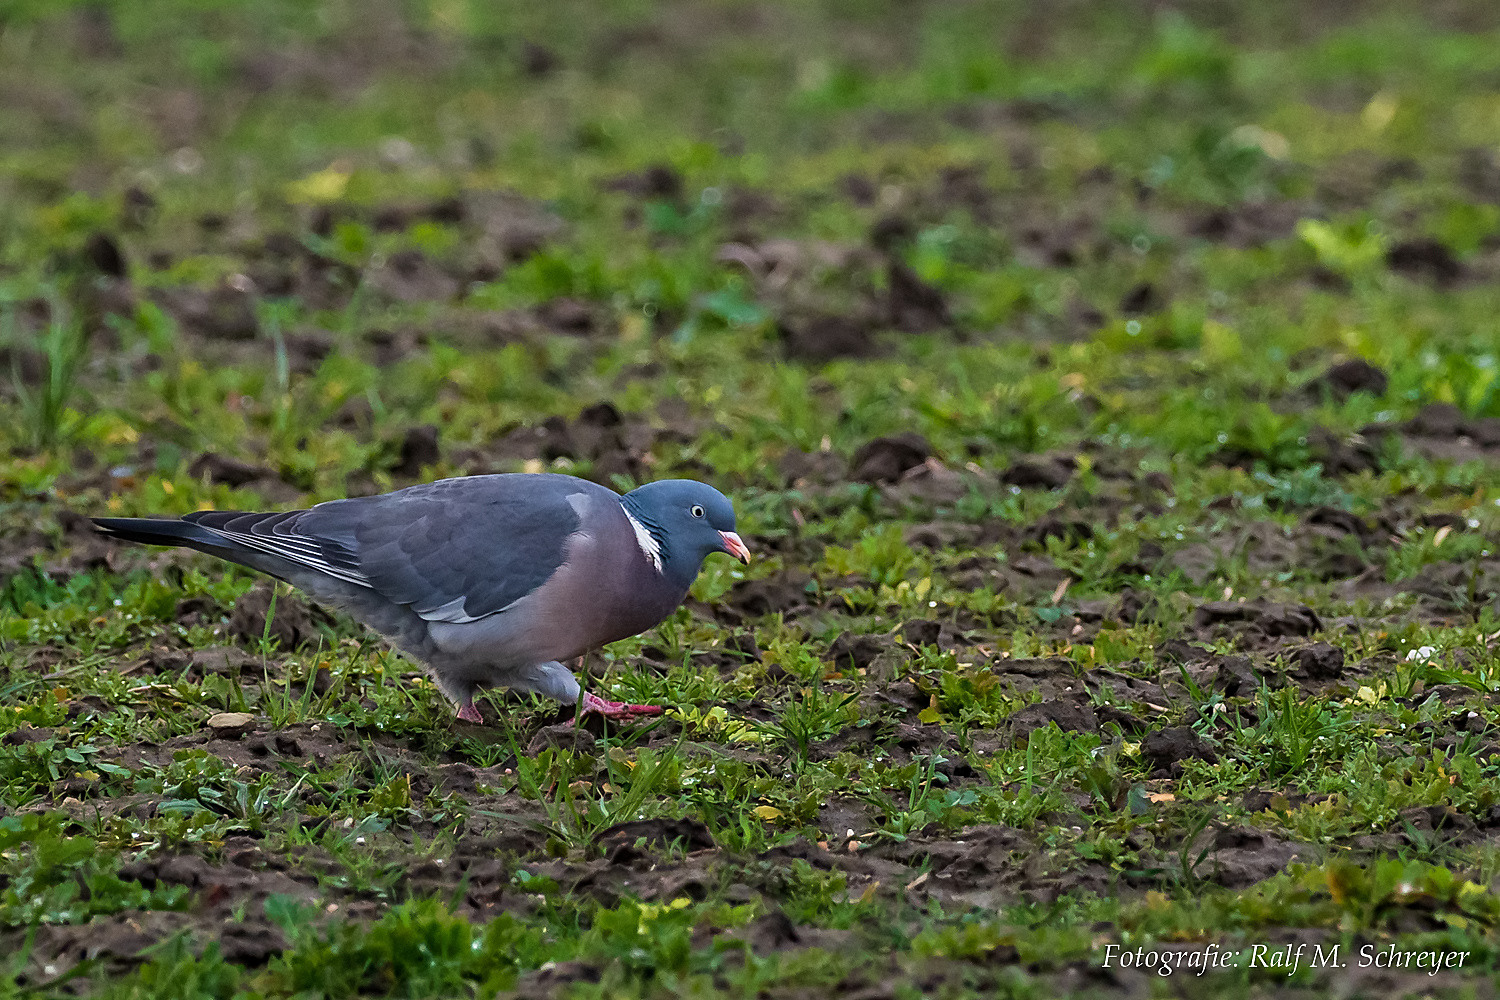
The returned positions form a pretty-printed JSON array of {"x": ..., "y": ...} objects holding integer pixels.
[{"x": 685, "y": 522}]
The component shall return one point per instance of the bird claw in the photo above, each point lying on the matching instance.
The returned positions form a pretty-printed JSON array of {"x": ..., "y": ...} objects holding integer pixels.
[
  {"x": 468, "y": 713},
  {"x": 592, "y": 704}
]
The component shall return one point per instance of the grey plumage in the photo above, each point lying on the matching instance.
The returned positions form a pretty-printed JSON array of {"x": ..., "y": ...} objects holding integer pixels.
[{"x": 486, "y": 580}]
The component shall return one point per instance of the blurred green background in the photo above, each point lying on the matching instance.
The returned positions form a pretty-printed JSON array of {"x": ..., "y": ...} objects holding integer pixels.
[{"x": 1108, "y": 390}]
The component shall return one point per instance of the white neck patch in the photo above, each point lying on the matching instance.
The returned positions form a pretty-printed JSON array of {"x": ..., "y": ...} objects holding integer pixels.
[{"x": 650, "y": 547}]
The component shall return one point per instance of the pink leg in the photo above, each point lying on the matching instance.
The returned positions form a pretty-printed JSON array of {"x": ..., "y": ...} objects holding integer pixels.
[
  {"x": 468, "y": 713},
  {"x": 593, "y": 704}
]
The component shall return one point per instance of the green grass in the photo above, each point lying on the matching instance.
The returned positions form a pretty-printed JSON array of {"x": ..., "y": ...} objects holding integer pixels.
[{"x": 289, "y": 234}]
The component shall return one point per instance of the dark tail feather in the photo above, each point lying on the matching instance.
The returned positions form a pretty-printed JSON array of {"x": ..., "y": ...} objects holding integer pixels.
[
  {"x": 153, "y": 531},
  {"x": 169, "y": 531}
]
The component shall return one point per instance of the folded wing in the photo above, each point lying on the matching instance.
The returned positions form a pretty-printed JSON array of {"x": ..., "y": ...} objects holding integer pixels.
[{"x": 456, "y": 551}]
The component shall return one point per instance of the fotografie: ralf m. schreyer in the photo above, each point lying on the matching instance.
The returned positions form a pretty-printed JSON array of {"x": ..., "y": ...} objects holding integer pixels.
[{"x": 1165, "y": 962}]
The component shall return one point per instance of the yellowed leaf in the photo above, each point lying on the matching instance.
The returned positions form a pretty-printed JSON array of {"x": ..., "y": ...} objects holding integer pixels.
[
  {"x": 325, "y": 185},
  {"x": 767, "y": 813},
  {"x": 1379, "y": 112}
]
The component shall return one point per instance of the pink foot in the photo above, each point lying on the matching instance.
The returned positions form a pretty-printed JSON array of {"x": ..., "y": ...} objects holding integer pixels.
[
  {"x": 468, "y": 713},
  {"x": 592, "y": 704}
]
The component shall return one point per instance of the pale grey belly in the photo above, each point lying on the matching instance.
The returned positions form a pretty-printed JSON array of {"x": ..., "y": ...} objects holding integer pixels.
[{"x": 541, "y": 628}]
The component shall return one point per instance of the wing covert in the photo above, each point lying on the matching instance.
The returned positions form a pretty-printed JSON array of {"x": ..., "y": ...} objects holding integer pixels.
[{"x": 456, "y": 550}]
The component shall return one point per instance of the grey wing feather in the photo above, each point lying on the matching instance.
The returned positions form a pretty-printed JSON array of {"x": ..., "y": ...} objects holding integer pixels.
[
  {"x": 278, "y": 535},
  {"x": 453, "y": 551}
]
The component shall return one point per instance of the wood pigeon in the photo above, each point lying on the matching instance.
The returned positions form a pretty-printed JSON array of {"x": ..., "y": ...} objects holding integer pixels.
[{"x": 485, "y": 580}]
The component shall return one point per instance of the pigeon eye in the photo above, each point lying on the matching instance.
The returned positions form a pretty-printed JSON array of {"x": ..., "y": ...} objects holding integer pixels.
[{"x": 697, "y": 511}]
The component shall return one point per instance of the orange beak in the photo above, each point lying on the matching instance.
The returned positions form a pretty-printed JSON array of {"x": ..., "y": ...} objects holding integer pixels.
[{"x": 735, "y": 546}]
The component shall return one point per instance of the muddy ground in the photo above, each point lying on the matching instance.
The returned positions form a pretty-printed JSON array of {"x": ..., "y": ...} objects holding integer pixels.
[{"x": 1125, "y": 525}]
